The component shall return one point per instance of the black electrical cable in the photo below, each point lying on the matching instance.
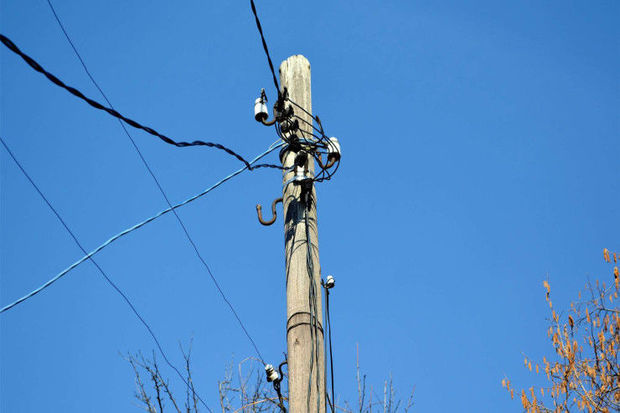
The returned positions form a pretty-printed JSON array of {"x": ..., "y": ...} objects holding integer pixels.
[
  {"x": 277, "y": 387},
  {"x": 326, "y": 174},
  {"x": 329, "y": 335},
  {"x": 37, "y": 67},
  {"x": 108, "y": 280},
  {"x": 313, "y": 307},
  {"x": 322, "y": 141},
  {"x": 301, "y": 107},
  {"x": 309, "y": 124},
  {"x": 262, "y": 37},
  {"x": 161, "y": 189}
]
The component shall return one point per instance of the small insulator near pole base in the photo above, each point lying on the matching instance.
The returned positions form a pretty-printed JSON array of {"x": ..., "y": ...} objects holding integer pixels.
[
  {"x": 272, "y": 374},
  {"x": 330, "y": 282}
]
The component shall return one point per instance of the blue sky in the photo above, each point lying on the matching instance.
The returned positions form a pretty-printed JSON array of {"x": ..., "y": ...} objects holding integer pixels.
[{"x": 480, "y": 156}]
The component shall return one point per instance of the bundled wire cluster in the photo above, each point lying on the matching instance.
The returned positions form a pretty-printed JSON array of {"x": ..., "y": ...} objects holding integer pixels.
[{"x": 300, "y": 135}]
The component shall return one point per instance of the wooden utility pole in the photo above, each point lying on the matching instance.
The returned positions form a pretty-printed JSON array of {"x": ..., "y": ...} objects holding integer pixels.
[{"x": 304, "y": 331}]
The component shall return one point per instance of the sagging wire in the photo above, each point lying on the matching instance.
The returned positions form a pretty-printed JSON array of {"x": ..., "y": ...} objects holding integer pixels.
[
  {"x": 121, "y": 234},
  {"x": 75, "y": 92},
  {"x": 157, "y": 183},
  {"x": 105, "y": 276}
]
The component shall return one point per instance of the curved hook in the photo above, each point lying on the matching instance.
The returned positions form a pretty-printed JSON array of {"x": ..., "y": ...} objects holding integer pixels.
[
  {"x": 280, "y": 113},
  {"x": 259, "y": 211},
  {"x": 268, "y": 123},
  {"x": 331, "y": 160}
]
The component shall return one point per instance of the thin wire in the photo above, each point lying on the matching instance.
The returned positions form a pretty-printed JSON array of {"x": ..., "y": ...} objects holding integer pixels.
[
  {"x": 314, "y": 332},
  {"x": 109, "y": 281},
  {"x": 329, "y": 333},
  {"x": 262, "y": 37},
  {"x": 36, "y": 66},
  {"x": 133, "y": 228},
  {"x": 309, "y": 124},
  {"x": 161, "y": 189},
  {"x": 301, "y": 107}
]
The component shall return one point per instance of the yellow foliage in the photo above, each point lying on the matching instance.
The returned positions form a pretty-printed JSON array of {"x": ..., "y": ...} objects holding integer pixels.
[{"x": 587, "y": 377}]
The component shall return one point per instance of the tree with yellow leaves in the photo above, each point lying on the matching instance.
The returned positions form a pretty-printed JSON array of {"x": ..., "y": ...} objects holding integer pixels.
[{"x": 584, "y": 375}]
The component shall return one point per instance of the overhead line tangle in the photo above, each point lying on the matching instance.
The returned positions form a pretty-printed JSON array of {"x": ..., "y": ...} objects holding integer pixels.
[
  {"x": 133, "y": 228},
  {"x": 105, "y": 276},
  {"x": 37, "y": 67},
  {"x": 159, "y": 186}
]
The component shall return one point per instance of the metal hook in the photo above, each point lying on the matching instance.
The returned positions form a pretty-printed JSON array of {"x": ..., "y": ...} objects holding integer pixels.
[
  {"x": 259, "y": 211},
  {"x": 331, "y": 160},
  {"x": 280, "y": 113}
]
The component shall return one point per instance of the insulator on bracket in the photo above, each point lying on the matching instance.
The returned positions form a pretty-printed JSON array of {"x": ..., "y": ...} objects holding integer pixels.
[
  {"x": 333, "y": 148},
  {"x": 261, "y": 113},
  {"x": 272, "y": 374},
  {"x": 330, "y": 282}
]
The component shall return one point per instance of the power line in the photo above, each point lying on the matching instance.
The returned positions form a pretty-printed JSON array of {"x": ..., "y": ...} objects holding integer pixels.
[
  {"x": 331, "y": 356},
  {"x": 37, "y": 67},
  {"x": 262, "y": 37},
  {"x": 161, "y": 189},
  {"x": 108, "y": 280},
  {"x": 131, "y": 229}
]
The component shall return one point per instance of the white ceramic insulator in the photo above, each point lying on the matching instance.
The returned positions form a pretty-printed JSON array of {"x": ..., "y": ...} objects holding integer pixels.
[
  {"x": 330, "y": 282},
  {"x": 299, "y": 173},
  {"x": 272, "y": 374},
  {"x": 334, "y": 147},
  {"x": 260, "y": 110}
]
